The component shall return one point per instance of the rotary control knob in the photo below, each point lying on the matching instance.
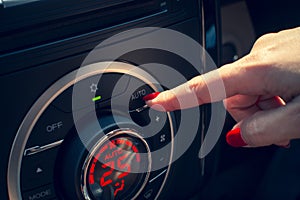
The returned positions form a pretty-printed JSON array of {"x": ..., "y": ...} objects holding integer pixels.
[
  {"x": 108, "y": 170},
  {"x": 115, "y": 166},
  {"x": 113, "y": 150}
]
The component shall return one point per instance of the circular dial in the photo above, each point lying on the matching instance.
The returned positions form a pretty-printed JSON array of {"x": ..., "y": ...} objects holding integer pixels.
[
  {"x": 72, "y": 169},
  {"x": 116, "y": 169}
]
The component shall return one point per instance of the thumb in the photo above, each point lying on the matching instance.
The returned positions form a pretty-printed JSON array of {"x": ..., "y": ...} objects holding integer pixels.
[{"x": 275, "y": 126}]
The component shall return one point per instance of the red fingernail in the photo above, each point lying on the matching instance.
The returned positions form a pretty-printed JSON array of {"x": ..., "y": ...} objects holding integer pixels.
[
  {"x": 234, "y": 138},
  {"x": 151, "y": 96}
]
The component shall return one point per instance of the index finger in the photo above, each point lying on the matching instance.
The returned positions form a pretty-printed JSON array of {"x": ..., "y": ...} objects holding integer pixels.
[{"x": 213, "y": 86}]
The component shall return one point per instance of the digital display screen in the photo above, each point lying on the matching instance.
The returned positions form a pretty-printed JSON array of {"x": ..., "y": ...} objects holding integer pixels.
[{"x": 109, "y": 172}]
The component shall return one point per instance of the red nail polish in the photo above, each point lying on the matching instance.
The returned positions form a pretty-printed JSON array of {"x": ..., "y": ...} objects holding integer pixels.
[
  {"x": 234, "y": 138},
  {"x": 151, "y": 96}
]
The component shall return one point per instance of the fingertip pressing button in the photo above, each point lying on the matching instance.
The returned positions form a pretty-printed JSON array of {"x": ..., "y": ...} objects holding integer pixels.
[{"x": 151, "y": 96}]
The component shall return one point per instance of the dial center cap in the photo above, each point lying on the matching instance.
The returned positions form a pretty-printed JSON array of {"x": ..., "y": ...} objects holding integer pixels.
[{"x": 118, "y": 167}]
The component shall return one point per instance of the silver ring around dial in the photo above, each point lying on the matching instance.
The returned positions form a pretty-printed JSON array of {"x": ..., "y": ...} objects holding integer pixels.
[
  {"x": 110, "y": 135},
  {"x": 44, "y": 101}
]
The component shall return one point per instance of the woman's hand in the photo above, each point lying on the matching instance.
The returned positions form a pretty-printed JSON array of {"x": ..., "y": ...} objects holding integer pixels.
[{"x": 262, "y": 90}]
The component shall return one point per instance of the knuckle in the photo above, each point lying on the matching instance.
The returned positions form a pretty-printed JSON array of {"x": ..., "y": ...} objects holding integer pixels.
[
  {"x": 249, "y": 61},
  {"x": 230, "y": 104},
  {"x": 265, "y": 38},
  {"x": 170, "y": 101},
  {"x": 198, "y": 86},
  {"x": 226, "y": 104}
]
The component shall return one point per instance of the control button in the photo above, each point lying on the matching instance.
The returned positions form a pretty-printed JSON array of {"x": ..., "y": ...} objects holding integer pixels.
[
  {"x": 38, "y": 149},
  {"x": 161, "y": 142},
  {"x": 163, "y": 159},
  {"x": 38, "y": 169},
  {"x": 51, "y": 127},
  {"x": 140, "y": 113},
  {"x": 158, "y": 176},
  {"x": 157, "y": 118},
  {"x": 155, "y": 181},
  {"x": 92, "y": 90},
  {"x": 150, "y": 191},
  {"x": 94, "y": 87},
  {"x": 135, "y": 93},
  {"x": 140, "y": 109},
  {"x": 136, "y": 99},
  {"x": 162, "y": 138},
  {"x": 42, "y": 193},
  {"x": 54, "y": 127},
  {"x": 148, "y": 194}
]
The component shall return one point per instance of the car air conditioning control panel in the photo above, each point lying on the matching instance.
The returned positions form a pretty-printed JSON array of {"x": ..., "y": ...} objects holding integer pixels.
[
  {"x": 101, "y": 150},
  {"x": 75, "y": 124}
]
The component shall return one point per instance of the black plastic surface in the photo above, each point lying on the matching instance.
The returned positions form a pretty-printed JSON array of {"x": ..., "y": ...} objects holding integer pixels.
[
  {"x": 38, "y": 169},
  {"x": 27, "y": 72}
]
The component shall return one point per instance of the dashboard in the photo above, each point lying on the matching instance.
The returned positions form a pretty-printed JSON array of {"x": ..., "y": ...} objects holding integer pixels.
[
  {"x": 73, "y": 75},
  {"x": 77, "y": 127}
]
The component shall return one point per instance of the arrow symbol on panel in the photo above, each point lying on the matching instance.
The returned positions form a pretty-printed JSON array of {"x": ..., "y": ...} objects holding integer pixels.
[{"x": 38, "y": 170}]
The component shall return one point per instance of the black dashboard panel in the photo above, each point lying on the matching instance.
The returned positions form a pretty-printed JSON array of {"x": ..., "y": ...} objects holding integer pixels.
[
  {"x": 43, "y": 44},
  {"x": 48, "y": 21}
]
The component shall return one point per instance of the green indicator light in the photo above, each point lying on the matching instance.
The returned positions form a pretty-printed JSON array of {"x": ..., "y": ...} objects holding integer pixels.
[{"x": 96, "y": 98}]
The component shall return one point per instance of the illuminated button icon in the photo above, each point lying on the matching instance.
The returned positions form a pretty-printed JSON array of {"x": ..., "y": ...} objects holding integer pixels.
[
  {"x": 94, "y": 88},
  {"x": 157, "y": 118},
  {"x": 148, "y": 194},
  {"x": 97, "y": 98},
  {"x": 163, "y": 138},
  {"x": 39, "y": 170}
]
